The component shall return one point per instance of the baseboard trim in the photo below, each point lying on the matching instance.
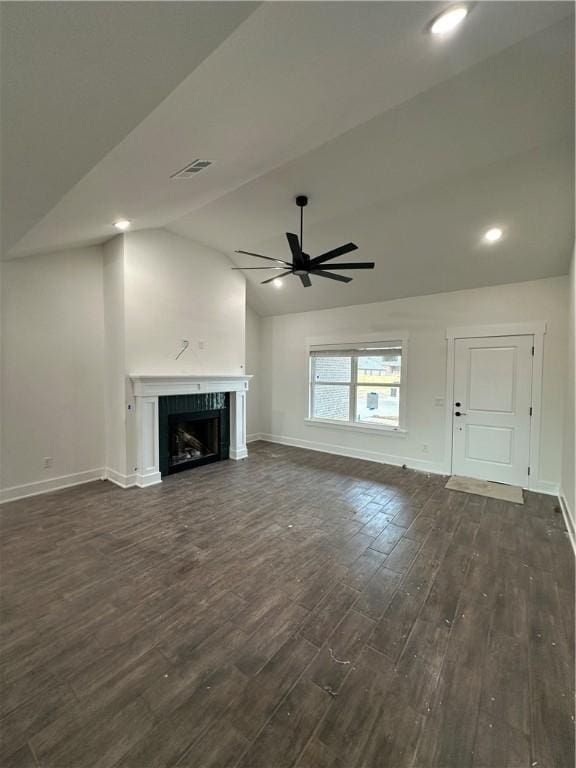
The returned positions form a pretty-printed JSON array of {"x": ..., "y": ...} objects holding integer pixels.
[
  {"x": 145, "y": 481},
  {"x": 122, "y": 481},
  {"x": 134, "y": 480},
  {"x": 420, "y": 465},
  {"x": 543, "y": 486},
  {"x": 568, "y": 516},
  {"x": 39, "y": 487},
  {"x": 430, "y": 467},
  {"x": 253, "y": 437}
]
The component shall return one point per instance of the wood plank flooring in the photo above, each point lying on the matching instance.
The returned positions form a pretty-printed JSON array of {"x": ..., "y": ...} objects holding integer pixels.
[{"x": 294, "y": 609}]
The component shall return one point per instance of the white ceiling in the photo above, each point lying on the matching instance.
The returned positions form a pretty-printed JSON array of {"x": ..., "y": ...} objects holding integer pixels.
[
  {"x": 407, "y": 145},
  {"x": 78, "y": 76}
]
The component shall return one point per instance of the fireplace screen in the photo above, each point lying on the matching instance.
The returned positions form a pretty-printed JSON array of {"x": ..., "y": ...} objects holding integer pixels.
[{"x": 193, "y": 441}]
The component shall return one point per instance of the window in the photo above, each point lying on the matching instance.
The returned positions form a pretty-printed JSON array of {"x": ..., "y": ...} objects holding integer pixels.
[{"x": 362, "y": 385}]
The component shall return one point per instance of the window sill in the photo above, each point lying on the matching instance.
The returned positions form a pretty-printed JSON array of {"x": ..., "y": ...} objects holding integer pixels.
[{"x": 374, "y": 428}]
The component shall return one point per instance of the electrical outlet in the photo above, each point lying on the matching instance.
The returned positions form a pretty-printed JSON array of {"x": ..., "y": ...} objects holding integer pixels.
[
  {"x": 439, "y": 401},
  {"x": 425, "y": 447},
  {"x": 201, "y": 345},
  {"x": 47, "y": 462}
]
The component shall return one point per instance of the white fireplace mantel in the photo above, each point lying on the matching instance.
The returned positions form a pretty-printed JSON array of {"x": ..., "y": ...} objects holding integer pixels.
[{"x": 148, "y": 388}]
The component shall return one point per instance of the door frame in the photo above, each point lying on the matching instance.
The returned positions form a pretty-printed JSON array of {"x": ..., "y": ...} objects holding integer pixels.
[{"x": 537, "y": 331}]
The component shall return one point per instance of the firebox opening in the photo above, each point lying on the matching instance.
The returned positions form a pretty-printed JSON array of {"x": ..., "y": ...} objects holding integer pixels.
[
  {"x": 193, "y": 441},
  {"x": 193, "y": 430}
]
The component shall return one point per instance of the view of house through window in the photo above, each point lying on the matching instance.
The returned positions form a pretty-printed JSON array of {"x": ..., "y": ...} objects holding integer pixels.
[{"x": 361, "y": 386}]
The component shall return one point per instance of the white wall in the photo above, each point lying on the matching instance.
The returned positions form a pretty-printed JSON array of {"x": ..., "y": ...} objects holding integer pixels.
[
  {"x": 52, "y": 368},
  {"x": 568, "y": 482},
  {"x": 176, "y": 289},
  {"x": 115, "y": 355},
  {"x": 254, "y": 403},
  {"x": 284, "y": 374},
  {"x": 77, "y": 323}
]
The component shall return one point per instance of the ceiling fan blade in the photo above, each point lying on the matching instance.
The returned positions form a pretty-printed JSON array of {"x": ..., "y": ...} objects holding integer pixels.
[
  {"x": 322, "y": 273},
  {"x": 268, "y": 258},
  {"x": 258, "y": 267},
  {"x": 276, "y": 277},
  {"x": 294, "y": 244},
  {"x": 340, "y": 251},
  {"x": 306, "y": 282},
  {"x": 358, "y": 265}
]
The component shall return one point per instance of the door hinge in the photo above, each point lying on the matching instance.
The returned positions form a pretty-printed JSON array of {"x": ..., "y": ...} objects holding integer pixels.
[
  {"x": 528, "y": 470},
  {"x": 532, "y": 351},
  {"x": 530, "y": 410}
]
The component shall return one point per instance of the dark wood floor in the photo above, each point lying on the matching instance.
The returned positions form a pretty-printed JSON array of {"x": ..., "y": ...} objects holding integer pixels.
[{"x": 294, "y": 609}]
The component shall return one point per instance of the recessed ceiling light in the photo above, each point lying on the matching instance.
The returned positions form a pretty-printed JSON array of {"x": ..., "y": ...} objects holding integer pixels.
[
  {"x": 122, "y": 225},
  {"x": 449, "y": 20},
  {"x": 493, "y": 234},
  {"x": 277, "y": 283}
]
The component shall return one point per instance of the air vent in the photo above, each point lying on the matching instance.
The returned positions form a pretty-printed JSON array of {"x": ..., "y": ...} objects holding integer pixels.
[{"x": 191, "y": 169}]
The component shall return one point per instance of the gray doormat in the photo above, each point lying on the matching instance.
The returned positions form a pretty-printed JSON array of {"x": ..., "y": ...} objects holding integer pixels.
[{"x": 484, "y": 488}]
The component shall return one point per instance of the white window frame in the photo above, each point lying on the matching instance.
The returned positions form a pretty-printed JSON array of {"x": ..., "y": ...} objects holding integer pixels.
[{"x": 356, "y": 341}]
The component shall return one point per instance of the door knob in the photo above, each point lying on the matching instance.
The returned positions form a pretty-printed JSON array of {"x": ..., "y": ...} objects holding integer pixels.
[{"x": 459, "y": 413}]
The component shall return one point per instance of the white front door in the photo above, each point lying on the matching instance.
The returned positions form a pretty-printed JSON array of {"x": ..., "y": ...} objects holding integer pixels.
[{"x": 492, "y": 408}]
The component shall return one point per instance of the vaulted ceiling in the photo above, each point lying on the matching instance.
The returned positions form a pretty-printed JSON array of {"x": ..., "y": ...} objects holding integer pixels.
[{"x": 406, "y": 144}]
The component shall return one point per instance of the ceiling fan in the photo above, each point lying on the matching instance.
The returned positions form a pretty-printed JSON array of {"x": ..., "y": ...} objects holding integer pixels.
[{"x": 302, "y": 265}]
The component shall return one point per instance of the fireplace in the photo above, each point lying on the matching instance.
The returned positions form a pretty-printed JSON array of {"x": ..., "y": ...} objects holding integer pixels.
[
  {"x": 192, "y": 441},
  {"x": 156, "y": 397},
  {"x": 193, "y": 430}
]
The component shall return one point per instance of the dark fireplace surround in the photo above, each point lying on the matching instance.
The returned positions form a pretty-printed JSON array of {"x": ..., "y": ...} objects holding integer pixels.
[{"x": 193, "y": 430}]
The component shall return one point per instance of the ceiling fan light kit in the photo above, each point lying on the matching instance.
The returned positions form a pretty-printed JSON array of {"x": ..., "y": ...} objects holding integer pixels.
[{"x": 302, "y": 265}]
